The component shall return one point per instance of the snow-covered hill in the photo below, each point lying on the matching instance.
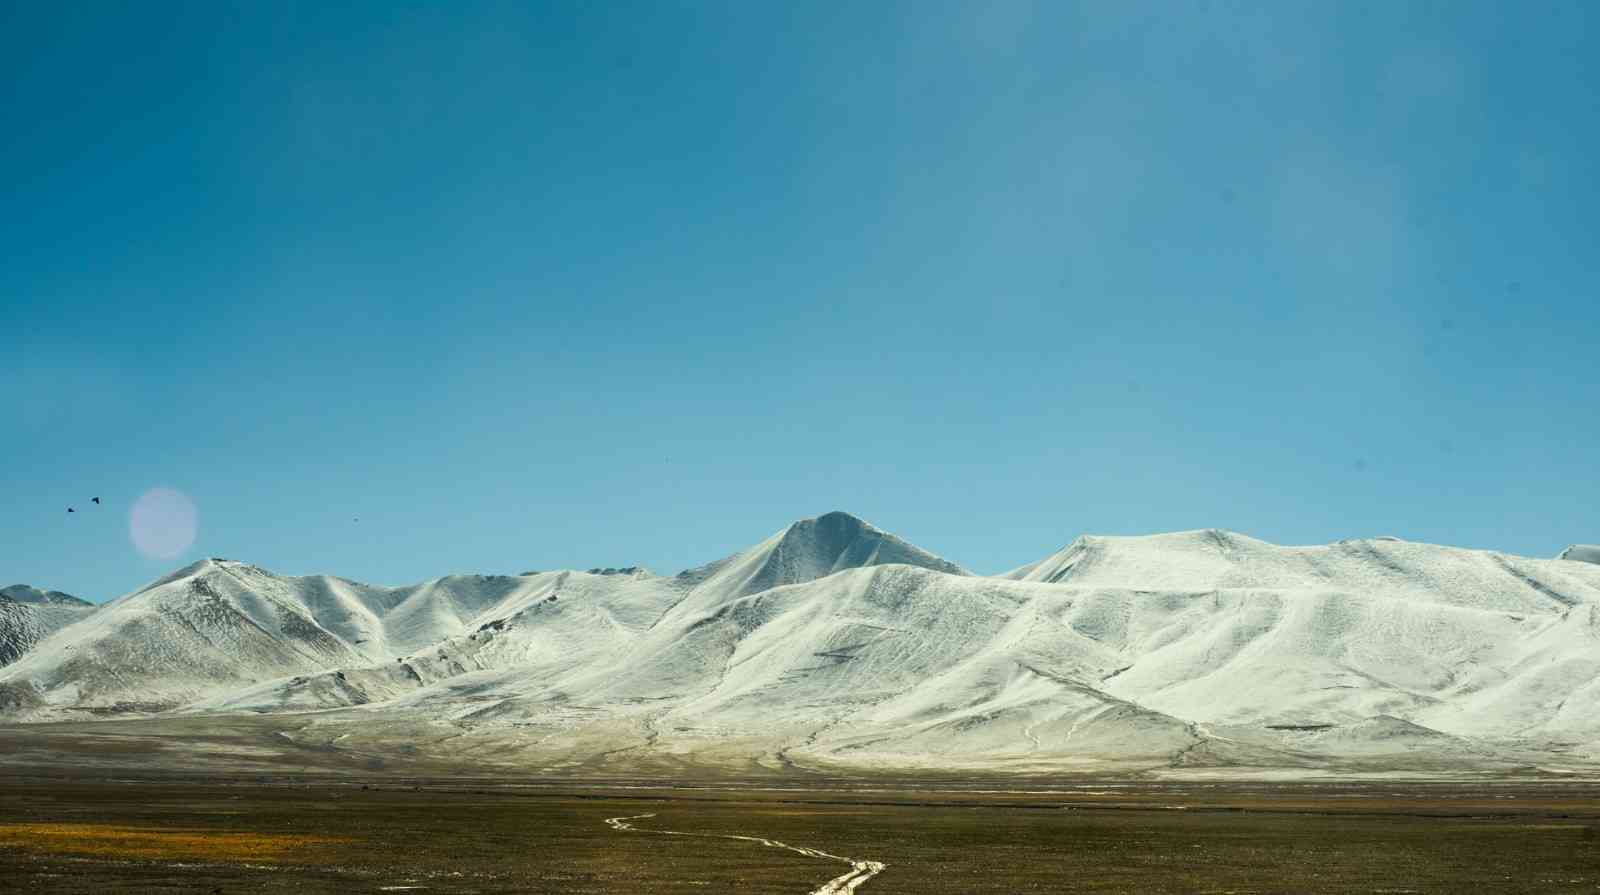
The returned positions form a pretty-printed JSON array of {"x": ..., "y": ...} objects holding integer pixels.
[
  {"x": 26, "y": 593},
  {"x": 219, "y": 625},
  {"x": 1218, "y": 627},
  {"x": 28, "y": 615},
  {"x": 834, "y": 645}
]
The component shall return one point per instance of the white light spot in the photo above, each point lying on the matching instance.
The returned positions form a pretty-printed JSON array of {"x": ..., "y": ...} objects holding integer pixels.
[{"x": 162, "y": 523}]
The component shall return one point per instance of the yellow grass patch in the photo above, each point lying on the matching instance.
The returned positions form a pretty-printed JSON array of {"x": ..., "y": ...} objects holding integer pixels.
[
  {"x": 159, "y": 844},
  {"x": 810, "y": 812}
]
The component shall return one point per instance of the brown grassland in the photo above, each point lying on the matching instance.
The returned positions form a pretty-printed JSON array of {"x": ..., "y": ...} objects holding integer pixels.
[
  {"x": 65, "y": 833},
  {"x": 160, "y": 844}
]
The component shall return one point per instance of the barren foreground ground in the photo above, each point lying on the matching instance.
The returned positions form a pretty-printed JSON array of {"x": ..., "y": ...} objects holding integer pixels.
[{"x": 113, "y": 833}]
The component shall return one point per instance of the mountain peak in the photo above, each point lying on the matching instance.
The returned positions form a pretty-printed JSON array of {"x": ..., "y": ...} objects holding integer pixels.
[
  {"x": 27, "y": 593},
  {"x": 837, "y": 517},
  {"x": 839, "y": 541},
  {"x": 808, "y": 549},
  {"x": 837, "y": 524},
  {"x": 1582, "y": 553}
]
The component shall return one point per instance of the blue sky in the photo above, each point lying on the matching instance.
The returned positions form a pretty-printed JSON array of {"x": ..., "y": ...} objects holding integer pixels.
[{"x": 530, "y": 286}]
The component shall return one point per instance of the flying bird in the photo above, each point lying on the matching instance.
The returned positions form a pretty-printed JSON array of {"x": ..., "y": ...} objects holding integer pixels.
[
  {"x": 97, "y": 500},
  {"x": 71, "y": 510}
]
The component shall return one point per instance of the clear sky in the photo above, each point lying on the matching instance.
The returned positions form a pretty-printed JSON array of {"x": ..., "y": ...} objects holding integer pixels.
[{"x": 529, "y": 286}]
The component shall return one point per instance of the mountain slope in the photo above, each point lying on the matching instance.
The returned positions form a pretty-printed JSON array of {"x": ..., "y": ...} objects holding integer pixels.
[
  {"x": 28, "y": 615},
  {"x": 552, "y": 623},
  {"x": 198, "y": 630},
  {"x": 834, "y": 645},
  {"x": 1224, "y": 628},
  {"x": 24, "y": 593}
]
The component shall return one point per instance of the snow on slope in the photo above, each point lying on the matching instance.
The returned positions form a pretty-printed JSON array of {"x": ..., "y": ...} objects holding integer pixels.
[
  {"x": 1223, "y": 628},
  {"x": 833, "y": 644},
  {"x": 218, "y": 626},
  {"x": 28, "y": 615},
  {"x": 888, "y": 664},
  {"x": 552, "y": 621},
  {"x": 24, "y": 593},
  {"x": 195, "y": 631}
]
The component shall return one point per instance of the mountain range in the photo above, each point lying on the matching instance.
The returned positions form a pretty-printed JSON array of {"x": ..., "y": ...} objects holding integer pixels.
[{"x": 835, "y": 647}]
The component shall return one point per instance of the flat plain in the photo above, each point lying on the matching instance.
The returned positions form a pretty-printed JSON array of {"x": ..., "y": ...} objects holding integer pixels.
[{"x": 111, "y": 831}]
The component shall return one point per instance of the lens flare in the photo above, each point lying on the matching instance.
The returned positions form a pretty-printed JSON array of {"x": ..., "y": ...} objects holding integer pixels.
[{"x": 162, "y": 523}]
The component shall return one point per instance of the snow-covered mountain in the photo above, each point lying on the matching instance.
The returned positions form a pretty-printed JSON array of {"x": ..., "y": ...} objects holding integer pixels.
[
  {"x": 27, "y": 593},
  {"x": 28, "y": 615},
  {"x": 1582, "y": 553},
  {"x": 835, "y": 645},
  {"x": 220, "y": 625}
]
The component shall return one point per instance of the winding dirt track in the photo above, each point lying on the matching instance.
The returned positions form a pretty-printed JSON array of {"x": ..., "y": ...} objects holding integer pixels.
[{"x": 860, "y": 871}]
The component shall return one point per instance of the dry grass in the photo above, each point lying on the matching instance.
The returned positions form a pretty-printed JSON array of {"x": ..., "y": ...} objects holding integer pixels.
[
  {"x": 302, "y": 836},
  {"x": 141, "y": 843}
]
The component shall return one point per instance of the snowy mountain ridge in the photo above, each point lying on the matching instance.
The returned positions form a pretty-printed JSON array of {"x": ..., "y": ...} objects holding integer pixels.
[
  {"x": 25, "y": 593},
  {"x": 835, "y": 645}
]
